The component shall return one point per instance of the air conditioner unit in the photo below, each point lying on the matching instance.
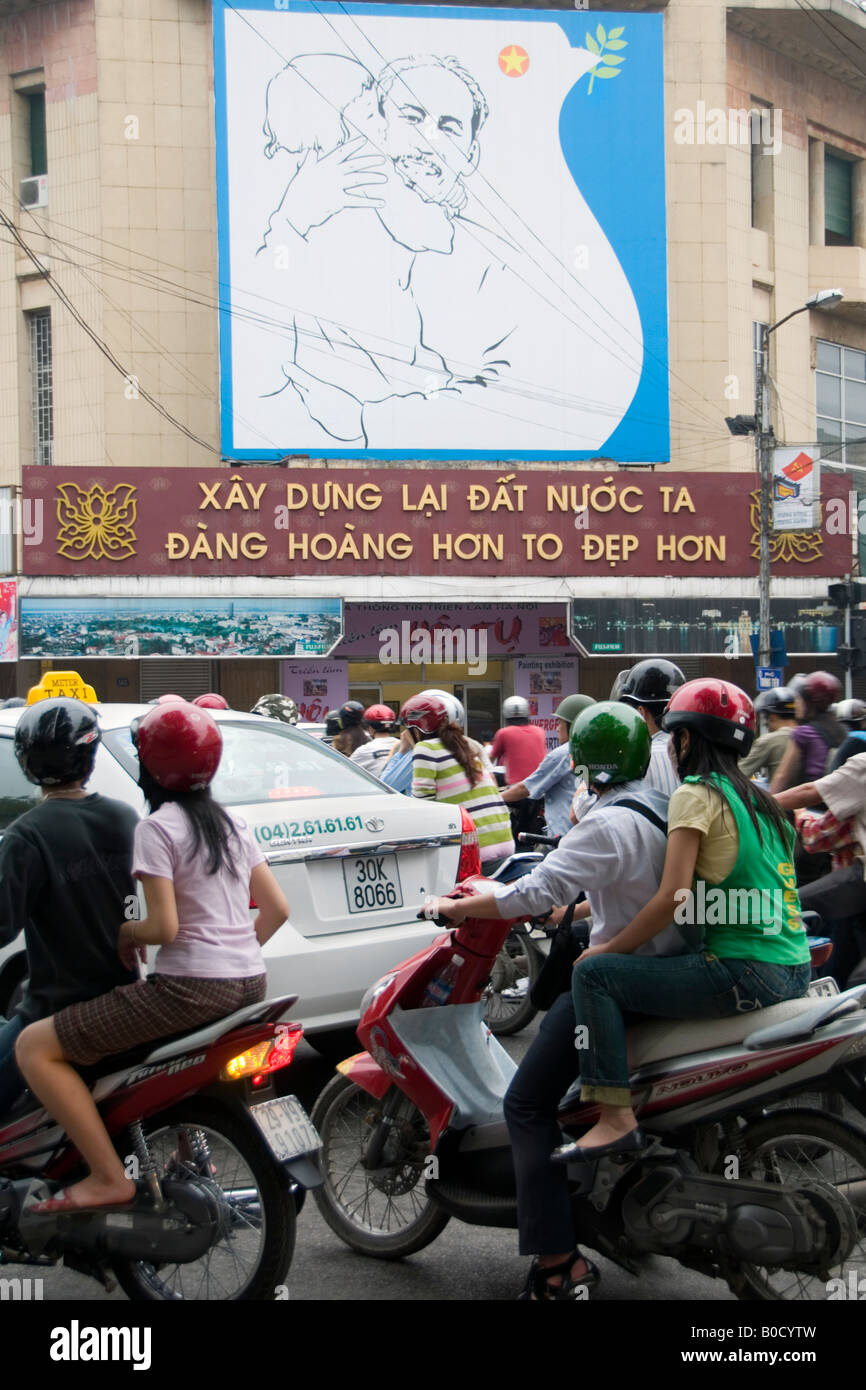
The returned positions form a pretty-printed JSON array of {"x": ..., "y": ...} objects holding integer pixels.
[{"x": 34, "y": 191}]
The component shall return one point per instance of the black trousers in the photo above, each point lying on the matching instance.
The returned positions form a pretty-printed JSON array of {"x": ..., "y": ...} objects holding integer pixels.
[
  {"x": 541, "y": 1080},
  {"x": 840, "y": 899}
]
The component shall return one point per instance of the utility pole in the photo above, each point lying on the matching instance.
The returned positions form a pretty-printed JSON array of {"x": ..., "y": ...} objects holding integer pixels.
[{"x": 763, "y": 442}]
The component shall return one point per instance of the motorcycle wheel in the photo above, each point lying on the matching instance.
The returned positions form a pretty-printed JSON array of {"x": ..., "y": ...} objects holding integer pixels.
[
  {"x": 515, "y": 970},
  {"x": 385, "y": 1213},
  {"x": 252, "y": 1257},
  {"x": 807, "y": 1148}
]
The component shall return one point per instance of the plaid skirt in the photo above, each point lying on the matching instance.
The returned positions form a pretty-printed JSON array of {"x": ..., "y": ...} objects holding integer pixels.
[{"x": 154, "y": 1008}]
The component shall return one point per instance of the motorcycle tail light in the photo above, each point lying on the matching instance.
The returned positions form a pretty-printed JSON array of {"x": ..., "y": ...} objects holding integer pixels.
[
  {"x": 266, "y": 1056},
  {"x": 470, "y": 857}
]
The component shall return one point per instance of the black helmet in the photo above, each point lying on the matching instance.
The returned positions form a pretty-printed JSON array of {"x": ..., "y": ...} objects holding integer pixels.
[
  {"x": 777, "y": 701},
  {"x": 349, "y": 715},
  {"x": 56, "y": 741},
  {"x": 651, "y": 683},
  {"x": 332, "y": 723}
]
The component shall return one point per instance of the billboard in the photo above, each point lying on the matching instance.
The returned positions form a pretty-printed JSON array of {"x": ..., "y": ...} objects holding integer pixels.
[
  {"x": 697, "y": 627},
  {"x": 141, "y": 627},
  {"x": 441, "y": 232}
]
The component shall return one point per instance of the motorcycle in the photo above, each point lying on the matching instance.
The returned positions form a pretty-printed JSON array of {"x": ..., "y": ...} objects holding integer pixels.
[
  {"x": 222, "y": 1167},
  {"x": 509, "y": 1007},
  {"x": 773, "y": 1202}
]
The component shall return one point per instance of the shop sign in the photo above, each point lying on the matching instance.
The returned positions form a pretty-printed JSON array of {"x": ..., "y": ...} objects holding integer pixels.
[
  {"x": 545, "y": 681},
  {"x": 698, "y": 627},
  {"x": 316, "y": 687},
  {"x": 389, "y": 521},
  {"x": 509, "y": 628}
]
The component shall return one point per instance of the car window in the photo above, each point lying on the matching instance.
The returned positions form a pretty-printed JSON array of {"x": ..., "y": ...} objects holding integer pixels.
[
  {"x": 268, "y": 764},
  {"x": 17, "y": 795}
]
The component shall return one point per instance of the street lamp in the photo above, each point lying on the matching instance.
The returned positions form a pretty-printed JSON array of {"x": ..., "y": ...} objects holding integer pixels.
[{"x": 824, "y": 299}]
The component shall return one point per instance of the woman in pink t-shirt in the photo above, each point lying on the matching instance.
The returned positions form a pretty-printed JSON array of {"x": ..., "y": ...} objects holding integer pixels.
[{"x": 198, "y": 867}]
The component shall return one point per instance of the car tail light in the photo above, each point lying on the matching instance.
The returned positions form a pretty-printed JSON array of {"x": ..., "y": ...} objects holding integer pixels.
[
  {"x": 470, "y": 856},
  {"x": 267, "y": 1056}
]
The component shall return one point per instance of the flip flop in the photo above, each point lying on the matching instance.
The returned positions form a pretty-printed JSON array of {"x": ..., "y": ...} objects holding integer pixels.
[{"x": 64, "y": 1203}]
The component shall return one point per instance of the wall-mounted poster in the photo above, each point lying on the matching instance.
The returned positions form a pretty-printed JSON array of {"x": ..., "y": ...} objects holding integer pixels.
[
  {"x": 316, "y": 687},
  {"x": 442, "y": 230},
  {"x": 545, "y": 681},
  {"x": 8, "y": 620},
  {"x": 141, "y": 627}
]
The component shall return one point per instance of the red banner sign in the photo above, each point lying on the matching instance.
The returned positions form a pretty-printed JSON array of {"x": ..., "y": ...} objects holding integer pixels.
[{"x": 274, "y": 521}]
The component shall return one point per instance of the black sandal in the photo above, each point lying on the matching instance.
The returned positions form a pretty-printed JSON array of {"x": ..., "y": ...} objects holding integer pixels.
[{"x": 539, "y": 1289}]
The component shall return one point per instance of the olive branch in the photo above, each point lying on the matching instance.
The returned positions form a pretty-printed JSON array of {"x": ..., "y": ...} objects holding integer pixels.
[{"x": 602, "y": 44}]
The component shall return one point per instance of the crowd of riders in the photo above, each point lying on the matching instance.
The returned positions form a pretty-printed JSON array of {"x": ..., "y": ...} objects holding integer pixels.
[{"x": 663, "y": 787}]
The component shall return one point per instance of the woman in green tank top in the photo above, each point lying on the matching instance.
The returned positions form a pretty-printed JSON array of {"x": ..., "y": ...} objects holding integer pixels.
[{"x": 729, "y": 877}]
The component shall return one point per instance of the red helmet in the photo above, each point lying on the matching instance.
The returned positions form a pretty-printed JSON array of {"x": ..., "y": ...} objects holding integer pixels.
[
  {"x": 210, "y": 701},
  {"x": 819, "y": 689},
  {"x": 426, "y": 713},
  {"x": 719, "y": 710},
  {"x": 380, "y": 714},
  {"x": 180, "y": 746},
  {"x": 169, "y": 700}
]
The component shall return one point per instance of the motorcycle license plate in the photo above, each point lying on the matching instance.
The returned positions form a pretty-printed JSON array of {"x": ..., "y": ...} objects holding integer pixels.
[
  {"x": 287, "y": 1127},
  {"x": 372, "y": 881},
  {"x": 822, "y": 989}
]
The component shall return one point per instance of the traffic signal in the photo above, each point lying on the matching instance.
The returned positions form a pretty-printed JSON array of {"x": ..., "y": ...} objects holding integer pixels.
[{"x": 843, "y": 595}]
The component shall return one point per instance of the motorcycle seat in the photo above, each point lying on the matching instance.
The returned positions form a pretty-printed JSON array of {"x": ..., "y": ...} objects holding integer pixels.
[
  {"x": 659, "y": 1039},
  {"x": 163, "y": 1049}
]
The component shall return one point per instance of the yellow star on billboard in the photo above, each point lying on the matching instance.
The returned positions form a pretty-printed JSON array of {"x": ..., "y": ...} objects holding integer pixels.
[{"x": 514, "y": 61}]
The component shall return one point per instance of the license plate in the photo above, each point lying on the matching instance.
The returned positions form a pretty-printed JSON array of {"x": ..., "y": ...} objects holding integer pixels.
[
  {"x": 372, "y": 882},
  {"x": 822, "y": 989},
  {"x": 287, "y": 1127}
]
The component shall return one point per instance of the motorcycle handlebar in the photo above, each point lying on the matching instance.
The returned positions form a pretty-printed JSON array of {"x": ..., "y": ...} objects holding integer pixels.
[{"x": 526, "y": 839}]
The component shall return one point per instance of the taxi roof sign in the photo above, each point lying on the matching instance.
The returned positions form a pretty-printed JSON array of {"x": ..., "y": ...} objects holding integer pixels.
[{"x": 56, "y": 685}]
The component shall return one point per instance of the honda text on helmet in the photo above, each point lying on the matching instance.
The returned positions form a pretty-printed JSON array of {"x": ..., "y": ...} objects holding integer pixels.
[
  {"x": 651, "y": 684},
  {"x": 180, "y": 746},
  {"x": 718, "y": 710},
  {"x": 277, "y": 707},
  {"x": 426, "y": 713},
  {"x": 56, "y": 742},
  {"x": 611, "y": 742}
]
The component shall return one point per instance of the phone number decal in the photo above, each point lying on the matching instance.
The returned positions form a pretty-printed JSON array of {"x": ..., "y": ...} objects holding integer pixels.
[{"x": 293, "y": 829}]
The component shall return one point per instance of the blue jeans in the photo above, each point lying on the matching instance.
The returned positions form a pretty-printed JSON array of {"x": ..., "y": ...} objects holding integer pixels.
[
  {"x": 11, "y": 1080},
  {"x": 690, "y": 986}
]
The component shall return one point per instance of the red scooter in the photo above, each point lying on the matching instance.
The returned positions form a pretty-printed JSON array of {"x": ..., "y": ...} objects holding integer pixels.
[
  {"x": 221, "y": 1163},
  {"x": 731, "y": 1185}
]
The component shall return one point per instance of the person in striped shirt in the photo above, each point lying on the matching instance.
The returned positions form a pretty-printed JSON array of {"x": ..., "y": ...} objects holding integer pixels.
[{"x": 447, "y": 767}]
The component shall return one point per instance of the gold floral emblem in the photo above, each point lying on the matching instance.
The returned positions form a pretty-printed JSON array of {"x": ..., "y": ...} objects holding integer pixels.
[
  {"x": 802, "y": 546},
  {"x": 96, "y": 524}
]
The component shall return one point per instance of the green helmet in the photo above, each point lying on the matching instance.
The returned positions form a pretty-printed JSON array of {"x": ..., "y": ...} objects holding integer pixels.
[
  {"x": 612, "y": 742},
  {"x": 573, "y": 705}
]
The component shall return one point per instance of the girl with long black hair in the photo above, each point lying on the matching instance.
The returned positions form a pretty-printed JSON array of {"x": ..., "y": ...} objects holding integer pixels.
[
  {"x": 199, "y": 867},
  {"x": 728, "y": 871}
]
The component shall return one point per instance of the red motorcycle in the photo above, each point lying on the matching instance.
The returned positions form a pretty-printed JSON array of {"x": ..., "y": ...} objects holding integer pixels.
[
  {"x": 770, "y": 1199},
  {"x": 222, "y": 1166}
]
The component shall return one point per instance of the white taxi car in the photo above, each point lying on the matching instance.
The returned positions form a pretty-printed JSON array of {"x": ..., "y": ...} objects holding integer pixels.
[{"x": 355, "y": 859}]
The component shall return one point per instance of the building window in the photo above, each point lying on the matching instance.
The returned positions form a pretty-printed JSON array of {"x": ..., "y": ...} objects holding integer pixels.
[
  {"x": 38, "y": 145},
  {"x": 761, "y": 165},
  {"x": 39, "y": 325},
  {"x": 838, "y": 200},
  {"x": 756, "y": 352},
  {"x": 840, "y": 389}
]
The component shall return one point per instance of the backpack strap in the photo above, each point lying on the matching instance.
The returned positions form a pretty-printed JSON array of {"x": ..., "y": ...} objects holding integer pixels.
[{"x": 634, "y": 805}]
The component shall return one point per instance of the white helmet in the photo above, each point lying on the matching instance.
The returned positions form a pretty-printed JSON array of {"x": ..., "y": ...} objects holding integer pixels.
[
  {"x": 515, "y": 707},
  {"x": 456, "y": 712}
]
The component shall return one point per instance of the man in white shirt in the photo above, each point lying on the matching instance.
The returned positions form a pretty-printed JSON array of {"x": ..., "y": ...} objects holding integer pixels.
[
  {"x": 647, "y": 687},
  {"x": 616, "y": 855},
  {"x": 372, "y": 757}
]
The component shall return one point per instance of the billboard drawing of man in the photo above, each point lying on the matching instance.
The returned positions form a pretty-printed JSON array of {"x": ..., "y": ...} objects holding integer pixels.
[{"x": 412, "y": 302}]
